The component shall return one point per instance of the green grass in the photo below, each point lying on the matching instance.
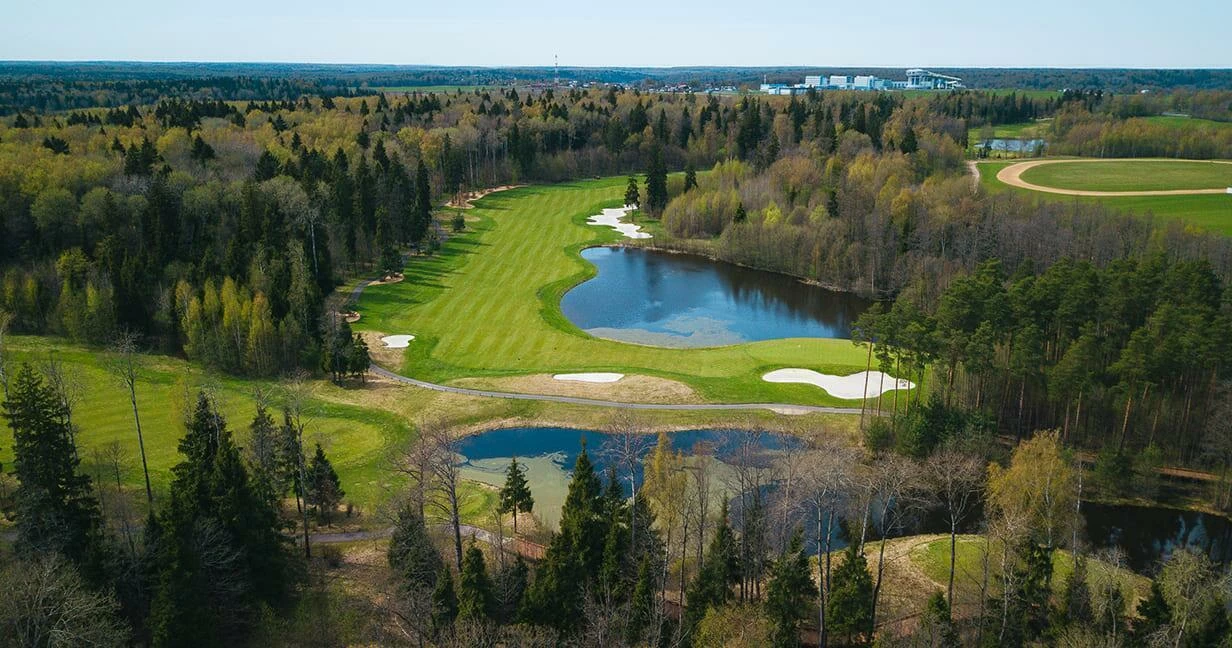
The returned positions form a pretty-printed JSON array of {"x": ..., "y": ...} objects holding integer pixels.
[
  {"x": 488, "y": 305},
  {"x": 1143, "y": 175},
  {"x": 1212, "y": 213},
  {"x": 934, "y": 560},
  {"x": 1177, "y": 121},
  {"x": 356, "y": 439}
]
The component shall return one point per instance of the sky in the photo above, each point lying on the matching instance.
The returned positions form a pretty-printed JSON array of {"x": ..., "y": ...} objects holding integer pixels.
[{"x": 629, "y": 33}]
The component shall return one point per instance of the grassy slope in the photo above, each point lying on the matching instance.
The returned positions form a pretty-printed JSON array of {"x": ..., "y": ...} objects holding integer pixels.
[
  {"x": 488, "y": 305},
  {"x": 934, "y": 560},
  {"x": 356, "y": 439},
  {"x": 1209, "y": 212},
  {"x": 1131, "y": 176}
]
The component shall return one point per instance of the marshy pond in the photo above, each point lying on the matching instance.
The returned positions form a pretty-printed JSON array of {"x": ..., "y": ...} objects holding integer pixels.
[{"x": 678, "y": 300}]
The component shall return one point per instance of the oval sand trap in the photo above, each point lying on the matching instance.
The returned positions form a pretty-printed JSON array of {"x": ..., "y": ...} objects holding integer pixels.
[
  {"x": 598, "y": 377},
  {"x": 845, "y": 387},
  {"x": 611, "y": 218},
  {"x": 397, "y": 341}
]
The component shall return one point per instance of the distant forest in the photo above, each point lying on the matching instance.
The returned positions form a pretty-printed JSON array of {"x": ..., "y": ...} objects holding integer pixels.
[{"x": 47, "y": 85}]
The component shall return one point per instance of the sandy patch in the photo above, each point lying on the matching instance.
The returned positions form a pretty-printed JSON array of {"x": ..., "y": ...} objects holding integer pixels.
[
  {"x": 1012, "y": 176},
  {"x": 350, "y": 317},
  {"x": 397, "y": 341},
  {"x": 388, "y": 279},
  {"x": 846, "y": 387},
  {"x": 596, "y": 377},
  {"x": 471, "y": 196},
  {"x": 630, "y": 389},
  {"x": 611, "y": 218}
]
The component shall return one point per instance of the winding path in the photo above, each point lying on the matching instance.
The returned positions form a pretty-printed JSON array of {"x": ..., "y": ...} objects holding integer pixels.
[{"x": 1012, "y": 176}]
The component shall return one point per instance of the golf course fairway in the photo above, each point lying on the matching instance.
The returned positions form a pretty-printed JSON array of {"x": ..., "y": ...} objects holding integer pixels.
[{"x": 487, "y": 305}]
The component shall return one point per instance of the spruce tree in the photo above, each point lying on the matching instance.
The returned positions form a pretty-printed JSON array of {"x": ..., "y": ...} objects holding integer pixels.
[
  {"x": 515, "y": 495},
  {"x": 56, "y": 508},
  {"x": 444, "y": 603},
  {"x": 220, "y": 545},
  {"x": 720, "y": 571},
  {"x": 690, "y": 177},
  {"x": 849, "y": 611},
  {"x": 1153, "y": 615},
  {"x": 324, "y": 487},
  {"x": 656, "y": 183},
  {"x": 421, "y": 215},
  {"x": 475, "y": 600},
  {"x": 411, "y": 552},
  {"x": 632, "y": 197},
  {"x": 788, "y": 591},
  {"x": 642, "y": 608}
]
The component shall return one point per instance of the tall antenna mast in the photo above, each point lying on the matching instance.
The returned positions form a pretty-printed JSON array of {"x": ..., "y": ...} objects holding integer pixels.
[{"x": 556, "y": 68}]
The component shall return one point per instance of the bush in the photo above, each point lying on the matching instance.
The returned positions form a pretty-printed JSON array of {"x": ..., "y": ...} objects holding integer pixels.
[
  {"x": 458, "y": 223},
  {"x": 878, "y": 436},
  {"x": 331, "y": 555}
]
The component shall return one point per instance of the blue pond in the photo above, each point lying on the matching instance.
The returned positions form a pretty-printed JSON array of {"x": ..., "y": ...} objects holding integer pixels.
[{"x": 677, "y": 300}]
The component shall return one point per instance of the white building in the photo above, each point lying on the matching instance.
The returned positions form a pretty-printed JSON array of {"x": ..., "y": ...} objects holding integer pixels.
[{"x": 917, "y": 79}]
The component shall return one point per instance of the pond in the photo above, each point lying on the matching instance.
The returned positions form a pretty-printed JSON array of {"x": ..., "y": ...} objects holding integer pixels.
[
  {"x": 1033, "y": 146},
  {"x": 677, "y": 300},
  {"x": 1149, "y": 534},
  {"x": 549, "y": 454}
]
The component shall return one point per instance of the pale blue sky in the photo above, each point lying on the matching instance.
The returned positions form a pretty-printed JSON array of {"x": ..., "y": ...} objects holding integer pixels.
[{"x": 955, "y": 33}]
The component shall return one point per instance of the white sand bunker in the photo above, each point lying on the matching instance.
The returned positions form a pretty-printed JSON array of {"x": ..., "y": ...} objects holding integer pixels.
[
  {"x": 397, "y": 341},
  {"x": 611, "y": 218},
  {"x": 599, "y": 377},
  {"x": 846, "y": 387}
]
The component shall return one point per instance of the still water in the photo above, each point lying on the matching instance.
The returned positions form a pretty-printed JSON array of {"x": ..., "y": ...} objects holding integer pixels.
[{"x": 677, "y": 300}]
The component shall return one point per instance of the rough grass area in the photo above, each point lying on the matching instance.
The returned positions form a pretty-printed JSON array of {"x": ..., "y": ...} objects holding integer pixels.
[
  {"x": 488, "y": 305},
  {"x": 932, "y": 558},
  {"x": 1132, "y": 175},
  {"x": 1209, "y": 212}
]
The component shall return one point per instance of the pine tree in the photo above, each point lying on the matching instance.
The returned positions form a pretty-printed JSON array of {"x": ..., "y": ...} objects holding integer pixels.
[
  {"x": 475, "y": 600},
  {"x": 1153, "y": 615},
  {"x": 411, "y": 553},
  {"x": 421, "y": 216},
  {"x": 263, "y": 456},
  {"x": 788, "y": 591},
  {"x": 267, "y": 167},
  {"x": 642, "y": 609},
  {"x": 444, "y": 603},
  {"x": 56, "y": 508},
  {"x": 515, "y": 495},
  {"x": 324, "y": 487},
  {"x": 850, "y": 608}
]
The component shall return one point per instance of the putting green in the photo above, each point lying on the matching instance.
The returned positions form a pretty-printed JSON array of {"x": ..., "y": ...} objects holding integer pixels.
[{"x": 488, "y": 305}]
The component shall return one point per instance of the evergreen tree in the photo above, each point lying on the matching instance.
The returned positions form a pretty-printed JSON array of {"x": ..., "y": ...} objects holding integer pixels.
[
  {"x": 690, "y": 177},
  {"x": 264, "y": 456},
  {"x": 1076, "y": 598},
  {"x": 444, "y": 603},
  {"x": 475, "y": 600},
  {"x": 324, "y": 488},
  {"x": 220, "y": 547},
  {"x": 56, "y": 508},
  {"x": 632, "y": 198},
  {"x": 741, "y": 215},
  {"x": 935, "y": 624},
  {"x": 510, "y": 586},
  {"x": 421, "y": 215},
  {"x": 267, "y": 167},
  {"x": 642, "y": 608},
  {"x": 849, "y": 611},
  {"x": 573, "y": 555},
  {"x": 515, "y": 495},
  {"x": 656, "y": 183},
  {"x": 411, "y": 552},
  {"x": 788, "y": 591},
  {"x": 1153, "y": 615},
  {"x": 720, "y": 571}
]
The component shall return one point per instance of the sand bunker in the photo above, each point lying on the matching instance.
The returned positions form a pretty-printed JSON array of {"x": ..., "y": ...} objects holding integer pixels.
[
  {"x": 599, "y": 377},
  {"x": 611, "y": 218},
  {"x": 397, "y": 341},
  {"x": 846, "y": 387}
]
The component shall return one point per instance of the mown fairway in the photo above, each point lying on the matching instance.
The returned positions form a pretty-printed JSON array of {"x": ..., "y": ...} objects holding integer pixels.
[
  {"x": 1132, "y": 175},
  {"x": 488, "y": 305},
  {"x": 1209, "y": 212}
]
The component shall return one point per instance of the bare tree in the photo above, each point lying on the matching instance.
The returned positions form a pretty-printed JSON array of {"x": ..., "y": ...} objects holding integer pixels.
[
  {"x": 46, "y": 603},
  {"x": 124, "y": 363},
  {"x": 442, "y": 449},
  {"x": 897, "y": 482},
  {"x": 67, "y": 386},
  {"x": 627, "y": 442},
  {"x": 296, "y": 403},
  {"x": 826, "y": 483},
  {"x": 957, "y": 479}
]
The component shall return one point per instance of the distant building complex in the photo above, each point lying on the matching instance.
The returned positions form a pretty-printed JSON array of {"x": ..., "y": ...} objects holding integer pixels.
[{"x": 917, "y": 79}]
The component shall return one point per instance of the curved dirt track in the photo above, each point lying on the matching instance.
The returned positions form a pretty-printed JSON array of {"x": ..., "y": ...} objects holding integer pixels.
[{"x": 1012, "y": 176}]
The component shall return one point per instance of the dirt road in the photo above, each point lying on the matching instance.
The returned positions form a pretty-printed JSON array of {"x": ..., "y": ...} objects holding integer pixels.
[{"x": 1012, "y": 176}]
